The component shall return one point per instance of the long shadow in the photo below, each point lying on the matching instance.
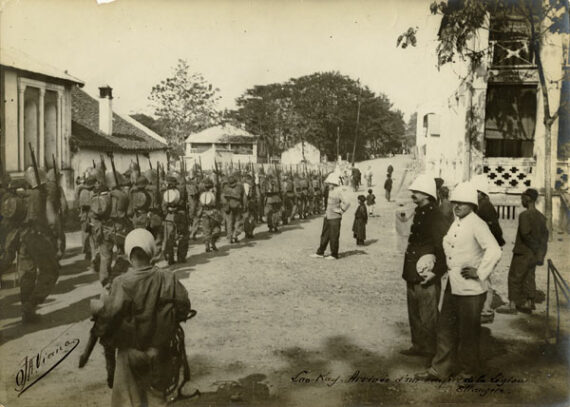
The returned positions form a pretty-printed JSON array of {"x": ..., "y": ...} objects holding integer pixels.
[
  {"x": 75, "y": 312},
  {"x": 351, "y": 253}
]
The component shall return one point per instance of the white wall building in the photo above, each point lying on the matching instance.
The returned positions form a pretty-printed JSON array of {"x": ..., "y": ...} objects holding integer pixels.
[
  {"x": 301, "y": 152},
  {"x": 223, "y": 143}
]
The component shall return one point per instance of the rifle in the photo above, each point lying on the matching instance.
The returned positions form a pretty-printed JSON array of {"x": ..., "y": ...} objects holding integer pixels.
[
  {"x": 217, "y": 172},
  {"x": 114, "y": 172},
  {"x": 103, "y": 166},
  {"x": 35, "y": 164},
  {"x": 157, "y": 200},
  {"x": 56, "y": 175},
  {"x": 138, "y": 163},
  {"x": 200, "y": 163},
  {"x": 278, "y": 178},
  {"x": 184, "y": 197},
  {"x": 94, "y": 165},
  {"x": 149, "y": 163}
]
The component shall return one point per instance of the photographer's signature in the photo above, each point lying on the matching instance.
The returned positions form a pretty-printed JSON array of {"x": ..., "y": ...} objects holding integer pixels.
[{"x": 35, "y": 367}]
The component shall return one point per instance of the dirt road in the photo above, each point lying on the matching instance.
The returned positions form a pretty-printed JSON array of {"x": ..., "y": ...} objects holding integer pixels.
[{"x": 276, "y": 327}]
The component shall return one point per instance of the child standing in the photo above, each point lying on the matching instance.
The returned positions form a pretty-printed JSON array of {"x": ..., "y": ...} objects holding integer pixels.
[
  {"x": 388, "y": 186},
  {"x": 360, "y": 220},
  {"x": 370, "y": 202}
]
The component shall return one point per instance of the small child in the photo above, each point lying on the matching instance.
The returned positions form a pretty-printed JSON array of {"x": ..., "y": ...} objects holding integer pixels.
[
  {"x": 360, "y": 220},
  {"x": 388, "y": 186},
  {"x": 370, "y": 202}
]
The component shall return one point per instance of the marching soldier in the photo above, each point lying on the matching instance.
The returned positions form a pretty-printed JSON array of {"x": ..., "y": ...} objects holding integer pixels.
[
  {"x": 251, "y": 206},
  {"x": 155, "y": 212},
  {"x": 289, "y": 200},
  {"x": 101, "y": 237},
  {"x": 37, "y": 263},
  {"x": 83, "y": 195},
  {"x": 56, "y": 207},
  {"x": 12, "y": 214},
  {"x": 317, "y": 194},
  {"x": 193, "y": 188},
  {"x": 260, "y": 182},
  {"x": 210, "y": 216},
  {"x": 234, "y": 203},
  {"x": 175, "y": 222},
  {"x": 140, "y": 202},
  {"x": 272, "y": 203}
]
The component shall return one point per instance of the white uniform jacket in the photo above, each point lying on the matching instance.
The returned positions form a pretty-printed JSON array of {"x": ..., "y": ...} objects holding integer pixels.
[{"x": 470, "y": 243}]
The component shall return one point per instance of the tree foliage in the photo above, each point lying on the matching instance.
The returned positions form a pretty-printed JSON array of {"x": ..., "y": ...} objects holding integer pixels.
[
  {"x": 317, "y": 108},
  {"x": 184, "y": 103}
]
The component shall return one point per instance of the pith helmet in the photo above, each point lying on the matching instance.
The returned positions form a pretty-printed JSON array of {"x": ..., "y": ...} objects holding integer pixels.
[
  {"x": 141, "y": 181},
  {"x": 481, "y": 183},
  {"x": 140, "y": 238},
  {"x": 424, "y": 183},
  {"x": 465, "y": 193},
  {"x": 30, "y": 177}
]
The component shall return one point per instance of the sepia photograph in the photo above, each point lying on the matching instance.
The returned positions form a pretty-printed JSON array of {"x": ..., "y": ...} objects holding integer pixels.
[{"x": 297, "y": 203}]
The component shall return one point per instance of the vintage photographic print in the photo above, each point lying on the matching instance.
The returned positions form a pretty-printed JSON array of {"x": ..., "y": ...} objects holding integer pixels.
[{"x": 290, "y": 203}]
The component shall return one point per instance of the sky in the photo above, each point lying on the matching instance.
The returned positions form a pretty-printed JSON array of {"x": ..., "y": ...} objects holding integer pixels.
[{"x": 132, "y": 45}]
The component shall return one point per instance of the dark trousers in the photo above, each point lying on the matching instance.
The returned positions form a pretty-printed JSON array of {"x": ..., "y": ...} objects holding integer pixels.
[
  {"x": 522, "y": 285},
  {"x": 422, "y": 314},
  {"x": 330, "y": 234},
  {"x": 458, "y": 333}
]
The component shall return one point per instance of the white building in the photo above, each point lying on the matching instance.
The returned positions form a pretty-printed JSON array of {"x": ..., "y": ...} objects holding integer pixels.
[
  {"x": 98, "y": 131},
  {"x": 223, "y": 143},
  {"x": 35, "y": 110},
  {"x": 301, "y": 152}
]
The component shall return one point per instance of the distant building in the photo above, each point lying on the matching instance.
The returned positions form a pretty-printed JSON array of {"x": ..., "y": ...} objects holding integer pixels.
[
  {"x": 223, "y": 143},
  {"x": 36, "y": 110},
  {"x": 98, "y": 131},
  {"x": 301, "y": 152}
]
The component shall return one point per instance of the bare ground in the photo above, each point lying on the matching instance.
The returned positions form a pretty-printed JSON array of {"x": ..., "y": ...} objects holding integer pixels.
[{"x": 275, "y": 327}]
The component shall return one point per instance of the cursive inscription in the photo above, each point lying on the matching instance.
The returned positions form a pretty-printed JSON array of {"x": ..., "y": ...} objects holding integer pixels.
[{"x": 35, "y": 367}]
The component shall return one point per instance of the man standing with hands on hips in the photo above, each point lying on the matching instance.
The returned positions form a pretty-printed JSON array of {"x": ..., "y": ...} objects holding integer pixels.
[
  {"x": 336, "y": 206},
  {"x": 471, "y": 254}
]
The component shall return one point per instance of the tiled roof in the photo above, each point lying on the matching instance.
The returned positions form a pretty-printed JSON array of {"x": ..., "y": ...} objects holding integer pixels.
[
  {"x": 222, "y": 134},
  {"x": 85, "y": 128},
  {"x": 16, "y": 59}
]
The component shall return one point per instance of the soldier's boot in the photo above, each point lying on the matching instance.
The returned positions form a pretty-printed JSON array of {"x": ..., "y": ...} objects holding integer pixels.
[
  {"x": 208, "y": 249},
  {"x": 29, "y": 315},
  {"x": 213, "y": 244}
]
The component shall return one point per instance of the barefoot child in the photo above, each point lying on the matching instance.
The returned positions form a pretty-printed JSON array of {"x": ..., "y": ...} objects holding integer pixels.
[{"x": 360, "y": 220}]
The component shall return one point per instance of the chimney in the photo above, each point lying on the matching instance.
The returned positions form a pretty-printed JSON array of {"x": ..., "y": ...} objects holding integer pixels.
[{"x": 106, "y": 109}]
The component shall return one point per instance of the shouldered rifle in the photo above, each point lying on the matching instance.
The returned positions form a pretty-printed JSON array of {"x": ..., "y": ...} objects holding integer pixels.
[
  {"x": 114, "y": 172},
  {"x": 200, "y": 166},
  {"x": 278, "y": 174},
  {"x": 57, "y": 186},
  {"x": 217, "y": 173},
  {"x": 138, "y": 163},
  {"x": 149, "y": 163},
  {"x": 157, "y": 203},
  {"x": 103, "y": 166},
  {"x": 184, "y": 196},
  {"x": 35, "y": 165}
]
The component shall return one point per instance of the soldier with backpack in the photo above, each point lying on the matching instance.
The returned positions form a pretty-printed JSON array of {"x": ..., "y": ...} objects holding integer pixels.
[
  {"x": 102, "y": 238},
  {"x": 289, "y": 200},
  {"x": 38, "y": 267},
  {"x": 83, "y": 195},
  {"x": 272, "y": 203},
  {"x": 56, "y": 206},
  {"x": 175, "y": 221},
  {"x": 251, "y": 206},
  {"x": 210, "y": 216},
  {"x": 234, "y": 197}
]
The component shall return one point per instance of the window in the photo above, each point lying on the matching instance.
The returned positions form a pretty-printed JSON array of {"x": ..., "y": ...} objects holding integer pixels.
[
  {"x": 510, "y": 38},
  {"x": 510, "y": 119}
]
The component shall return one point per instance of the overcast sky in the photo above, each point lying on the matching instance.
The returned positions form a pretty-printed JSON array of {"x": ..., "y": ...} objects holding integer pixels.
[{"x": 133, "y": 44}]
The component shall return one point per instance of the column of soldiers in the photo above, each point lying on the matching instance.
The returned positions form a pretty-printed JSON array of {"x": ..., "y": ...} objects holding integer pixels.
[{"x": 173, "y": 206}]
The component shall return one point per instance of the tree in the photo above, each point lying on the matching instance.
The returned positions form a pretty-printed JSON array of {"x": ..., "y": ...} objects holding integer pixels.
[
  {"x": 319, "y": 108},
  {"x": 184, "y": 103},
  {"x": 411, "y": 130},
  {"x": 463, "y": 19}
]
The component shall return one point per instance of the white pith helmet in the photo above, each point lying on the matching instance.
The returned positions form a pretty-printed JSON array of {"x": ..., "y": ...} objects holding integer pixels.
[
  {"x": 424, "y": 183},
  {"x": 140, "y": 238},
  {"x": 171, "y": 196},
  {"x": 465, "y": 192},
  {"x": 481, "y": 183}
]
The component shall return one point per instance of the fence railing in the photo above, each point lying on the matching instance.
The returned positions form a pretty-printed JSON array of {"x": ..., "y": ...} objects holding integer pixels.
[{"x": 560, "y": 288}]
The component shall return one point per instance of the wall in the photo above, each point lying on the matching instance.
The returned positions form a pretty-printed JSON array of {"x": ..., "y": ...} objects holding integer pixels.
[{"x": 10, "y": 122}]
